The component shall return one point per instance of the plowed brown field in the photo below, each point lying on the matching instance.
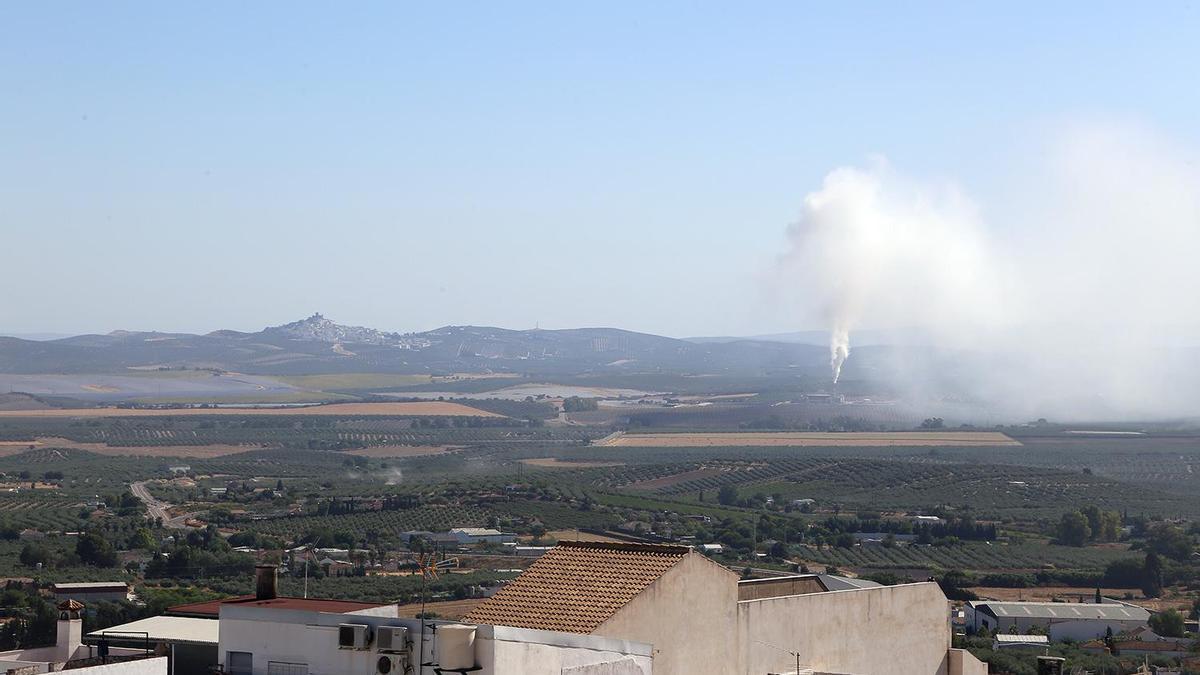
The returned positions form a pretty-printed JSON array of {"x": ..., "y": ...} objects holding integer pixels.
[{"x": 417, "y": 408}]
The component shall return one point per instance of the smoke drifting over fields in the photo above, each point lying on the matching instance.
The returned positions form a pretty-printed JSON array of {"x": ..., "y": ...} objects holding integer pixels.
[{"x": 1087, "y": 306}]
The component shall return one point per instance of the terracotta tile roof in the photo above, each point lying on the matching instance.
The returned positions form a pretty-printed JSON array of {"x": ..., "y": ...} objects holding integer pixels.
[{"x": 577, "y": 586}]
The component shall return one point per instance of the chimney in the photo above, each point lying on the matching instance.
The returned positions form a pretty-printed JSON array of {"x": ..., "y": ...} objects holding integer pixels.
[
  {"x": 69, "y": 635},
  {"x": 266, "y": 578}
]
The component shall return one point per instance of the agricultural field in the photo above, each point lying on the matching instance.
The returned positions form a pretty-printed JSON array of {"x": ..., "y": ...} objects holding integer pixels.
[
  {"x": 366, "y": 479},
  {"x": 293, "y": 431},
  {"x": 556, "y": 463},
  {"x": 141, "y": 450},
  {"x": 813, "y": 439},
  {"x": 397, "y": 451},
  {"x": 398, "y": 409},
  {"x": 353, "y": 381},
  {"x": 969, "y": 556},
  {"x": 384, "y": 522}
]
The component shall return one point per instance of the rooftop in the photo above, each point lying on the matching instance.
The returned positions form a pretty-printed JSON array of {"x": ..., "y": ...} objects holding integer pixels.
[
  {"x": 92, "y": 586},
  {"x": 477, "y": 531},
  {"x": 577, "y": 586},
  {"x": 1115, "y": 611},
  {"x": 836, "y": 583},
  {"x": 212, "y": 608},
  {"x": 177, "y": 629},
  {"x": 1003, "y": 638}
]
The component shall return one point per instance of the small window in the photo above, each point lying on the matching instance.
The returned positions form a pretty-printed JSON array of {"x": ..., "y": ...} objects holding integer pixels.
[
  {"x": 239, "y": 663},
  {"x": 284, "y": 668}
]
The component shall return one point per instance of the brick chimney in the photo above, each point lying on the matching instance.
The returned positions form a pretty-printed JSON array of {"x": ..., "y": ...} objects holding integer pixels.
[{"x": 266, "y": 578}]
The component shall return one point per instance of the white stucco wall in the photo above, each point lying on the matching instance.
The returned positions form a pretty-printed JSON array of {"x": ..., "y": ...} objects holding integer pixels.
[
  {"x": 963, "y": 662},
  {"x": 890, "y": 630},
  {"x": 298, "y": 637},
  {"x": 311, "y": 638},
  {"x": 152, "y": 666},
  {"x": 501, "y": 650},
  {"x": 688, "y": 615}
]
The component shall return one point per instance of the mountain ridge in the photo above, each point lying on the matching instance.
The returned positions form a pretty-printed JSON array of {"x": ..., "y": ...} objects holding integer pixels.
[{"x": 317, "y": 344}]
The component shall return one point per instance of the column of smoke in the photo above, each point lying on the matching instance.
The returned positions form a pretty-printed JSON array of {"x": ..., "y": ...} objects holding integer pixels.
[
  {"x": 839, "y": 350},
  {"x": 1080, "y": 303}
]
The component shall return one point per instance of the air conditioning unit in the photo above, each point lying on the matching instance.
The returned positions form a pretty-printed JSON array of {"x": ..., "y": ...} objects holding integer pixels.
[
  {"x": 391, "y": 664},
  {"x": 391, "y": 639},
  {"x": 353, "y": 636}
]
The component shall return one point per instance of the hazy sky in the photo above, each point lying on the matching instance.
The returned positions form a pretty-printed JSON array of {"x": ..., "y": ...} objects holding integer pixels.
[{"x": 193, "y": 166}]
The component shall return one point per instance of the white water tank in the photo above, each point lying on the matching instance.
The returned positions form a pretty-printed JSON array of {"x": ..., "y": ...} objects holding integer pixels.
[{"x": 456, "y": 646}]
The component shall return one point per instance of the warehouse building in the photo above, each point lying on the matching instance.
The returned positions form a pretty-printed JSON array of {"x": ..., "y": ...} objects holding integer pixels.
[{"x": 1060, "y": 620}]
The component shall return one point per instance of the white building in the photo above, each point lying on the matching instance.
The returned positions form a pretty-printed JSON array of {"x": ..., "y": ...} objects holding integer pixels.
[
  {"x": 531, "y": 551},
  {"x": 700, "y": 619},
  {"x": 295, "y": 636},
  {"x": 189, "y": 644},
  {"x": 1006, "y": 641},
  {"x": 1060, "y": 620},
  {"x": 598, "y": 608},
  {"x": 927, "y": 520},
  {"x": 69, "y": 652},
  {"x": 476, "y": 535}
]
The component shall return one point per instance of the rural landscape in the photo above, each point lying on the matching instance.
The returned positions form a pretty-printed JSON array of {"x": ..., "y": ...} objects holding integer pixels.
[
  {"x": 157, "y": 463},
  {"x": 671, "y": 338}
]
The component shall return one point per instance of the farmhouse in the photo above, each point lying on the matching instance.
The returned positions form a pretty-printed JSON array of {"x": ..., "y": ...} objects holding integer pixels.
[{"x": 1061, "y": 620}]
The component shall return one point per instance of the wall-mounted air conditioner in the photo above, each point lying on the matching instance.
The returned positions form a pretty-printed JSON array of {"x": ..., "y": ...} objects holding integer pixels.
[
  {"x": 391, "y": 664},
  {"x": 353, "y": 636},
  {"x": 391, "y": 639}
]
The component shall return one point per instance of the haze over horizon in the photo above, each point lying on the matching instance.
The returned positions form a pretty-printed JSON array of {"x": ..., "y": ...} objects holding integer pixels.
[{"x": 407, "y": 168}]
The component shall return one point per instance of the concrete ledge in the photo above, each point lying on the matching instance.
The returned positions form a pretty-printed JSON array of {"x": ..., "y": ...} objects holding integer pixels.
[{"x": 556, "y": 639}]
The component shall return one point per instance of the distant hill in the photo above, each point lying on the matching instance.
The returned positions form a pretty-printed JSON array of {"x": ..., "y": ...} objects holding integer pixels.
[
  {"x": 319, "y": 329},
  {"x": 319, "y": 345}
]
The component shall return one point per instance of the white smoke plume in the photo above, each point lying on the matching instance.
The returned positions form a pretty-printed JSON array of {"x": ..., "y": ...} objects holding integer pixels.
[
  {"x": 1078, "y": 297},
  {"x": 839, "y": 350}
]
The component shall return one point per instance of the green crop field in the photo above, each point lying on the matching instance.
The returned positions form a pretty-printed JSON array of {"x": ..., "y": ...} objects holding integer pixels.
[{"x": 978, "y": 556}]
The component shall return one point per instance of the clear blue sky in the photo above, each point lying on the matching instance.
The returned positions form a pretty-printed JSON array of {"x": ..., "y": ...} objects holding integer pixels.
[{"x": 193, "y": 166}]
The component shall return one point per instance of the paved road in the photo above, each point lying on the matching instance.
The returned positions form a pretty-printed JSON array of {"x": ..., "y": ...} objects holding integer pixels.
[{"x": 156, "y": 508}]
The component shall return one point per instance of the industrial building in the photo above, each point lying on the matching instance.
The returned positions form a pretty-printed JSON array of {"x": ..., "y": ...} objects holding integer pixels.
[{"x": 1060, "y": 620}]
